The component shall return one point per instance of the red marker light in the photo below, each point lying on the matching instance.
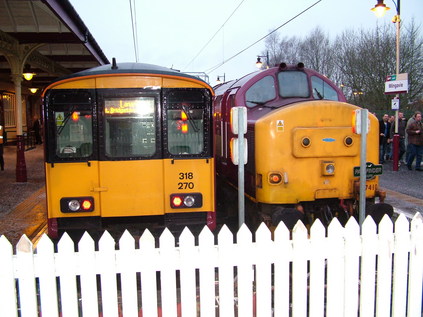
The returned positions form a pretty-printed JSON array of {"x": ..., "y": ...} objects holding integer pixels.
[
  {"x": 184, "y": 128},
  {"x": 75, "y": 116},
  {"x": 184, "y": 116},
  {"x": 177, "y": 201},
  {"x": 86, "y": 204}
]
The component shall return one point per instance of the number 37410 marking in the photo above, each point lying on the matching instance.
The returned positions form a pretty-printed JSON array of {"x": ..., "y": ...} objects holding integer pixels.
[{"x": 187, "y": 184}]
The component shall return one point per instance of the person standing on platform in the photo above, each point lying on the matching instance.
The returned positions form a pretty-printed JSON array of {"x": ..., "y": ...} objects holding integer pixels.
[
  {"x": 402, "y": 123},
  {"x": 37, "y": 131},
  {"x": 384, "y": 131},
  {"x": 415, "y": 141}
]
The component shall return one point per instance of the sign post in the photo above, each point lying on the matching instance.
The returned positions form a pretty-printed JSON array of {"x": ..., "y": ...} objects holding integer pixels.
[
  {"x": 396, "y": 84},
  {"x": 239, "y": 149},
  {"x": 363, "y": 169}
]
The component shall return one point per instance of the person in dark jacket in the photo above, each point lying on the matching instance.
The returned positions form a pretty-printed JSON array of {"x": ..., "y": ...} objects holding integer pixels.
[
  {"x": 415, "y": 141},
  {"x": 384, "y": 133},
  {"x": 402, "y": 123}
]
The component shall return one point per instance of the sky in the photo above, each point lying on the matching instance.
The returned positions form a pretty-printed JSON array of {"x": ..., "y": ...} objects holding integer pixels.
[{"x": 198, "y": 35}]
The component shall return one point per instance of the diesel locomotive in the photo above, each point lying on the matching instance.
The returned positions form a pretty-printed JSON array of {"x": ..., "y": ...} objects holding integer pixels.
[{"x": 302, "y": 151}]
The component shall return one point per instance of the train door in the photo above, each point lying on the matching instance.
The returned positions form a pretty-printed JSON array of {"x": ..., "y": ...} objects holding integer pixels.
[{"x": 130, "y": 168}]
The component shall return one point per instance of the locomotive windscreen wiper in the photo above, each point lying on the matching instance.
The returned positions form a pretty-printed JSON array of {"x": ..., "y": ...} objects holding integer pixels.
[{"x": 318, "y": 94}]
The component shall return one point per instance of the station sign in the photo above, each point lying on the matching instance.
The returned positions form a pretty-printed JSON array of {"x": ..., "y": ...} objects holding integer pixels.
[
  {"x": 396, "y": 84},
  {"x": 372, "y": 170}
]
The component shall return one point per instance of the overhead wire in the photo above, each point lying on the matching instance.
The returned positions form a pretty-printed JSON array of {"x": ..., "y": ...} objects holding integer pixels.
[
  {"x": 134, "y": 28},
  {"x": 262, "y": 38},
  {"x": 214, "y": 35}
]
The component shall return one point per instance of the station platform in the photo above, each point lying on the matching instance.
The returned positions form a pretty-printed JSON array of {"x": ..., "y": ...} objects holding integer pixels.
[{"x": 22, "y": 205}]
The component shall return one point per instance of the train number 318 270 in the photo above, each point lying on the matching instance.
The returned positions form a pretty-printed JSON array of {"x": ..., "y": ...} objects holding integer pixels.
[{"x": 186, "y": 184}]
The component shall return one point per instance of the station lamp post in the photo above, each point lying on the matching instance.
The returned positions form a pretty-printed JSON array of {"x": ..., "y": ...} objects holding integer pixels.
[
  {"x": 219, "y": 79},
  {"x": 259, "y": 63},
  {"x": 380, "y": 10}
]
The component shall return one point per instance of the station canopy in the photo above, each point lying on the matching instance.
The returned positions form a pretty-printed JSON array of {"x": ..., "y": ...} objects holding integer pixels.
[{"x": 45, "y": 37}]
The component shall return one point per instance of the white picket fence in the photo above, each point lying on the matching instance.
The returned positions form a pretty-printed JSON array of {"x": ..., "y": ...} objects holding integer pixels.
[{"x": 339, "y": 273}]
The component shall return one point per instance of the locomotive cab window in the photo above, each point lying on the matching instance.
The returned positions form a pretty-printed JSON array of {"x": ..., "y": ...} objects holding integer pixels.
[
  {"x": 322, "y": 90},
  {"x": 293, "y": 84},
  {"x": 187, "y": 122},
  {"x": 261, "y": 92}
]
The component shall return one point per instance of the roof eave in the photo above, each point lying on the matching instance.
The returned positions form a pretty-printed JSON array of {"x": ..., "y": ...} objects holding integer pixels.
[{"x": 66, "y": 12}]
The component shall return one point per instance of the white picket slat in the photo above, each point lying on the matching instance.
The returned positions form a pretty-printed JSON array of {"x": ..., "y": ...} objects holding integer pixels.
[
  {"x": 207, "y": 254},
  {"x": 317, "y": 269},
  {"x": 415, "y": 276},
  {"x": 86, "y": 250},
  {"x": 299, "y": 270},
  {"x": 46, "y": 268},
  {"x": 147, "y": 265},
  {"x": 335, "y": 269},
  {"x": 245, "y": 276},
  {"x": 368, "y": 268},
  {"x": 226, "y": 272},
  {"x": 352, "y": 265},
  {"x": 189, "y": 257},
  {"x": 126, "y": 259},
  {"x": 169, "y": 257},
  {"x": 66, "y": 267},
  {"x": 401, "y": 247},
  {"x": 26, "y": 282},
  {"x": 384, "y": 267},
  {"x": 107, "y": 257},
  {"x": 263, "y": 271},
  {"x": 7, "y": 279},
  {"x": 283, "y": 256}
]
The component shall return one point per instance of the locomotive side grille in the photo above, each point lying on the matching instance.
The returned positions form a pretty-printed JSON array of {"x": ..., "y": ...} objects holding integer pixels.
[{"x": 250, "y": 136}]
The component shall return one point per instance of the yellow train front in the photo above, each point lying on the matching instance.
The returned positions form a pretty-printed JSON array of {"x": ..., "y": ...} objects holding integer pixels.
[
  {"x": 128, "y": 140},
  {"x": 303, "y": 156}
]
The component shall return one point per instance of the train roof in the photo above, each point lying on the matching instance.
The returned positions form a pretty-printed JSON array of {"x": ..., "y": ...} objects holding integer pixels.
[
  {"x": 130, "y": 68},
  {"x": 277, "y": 68}
]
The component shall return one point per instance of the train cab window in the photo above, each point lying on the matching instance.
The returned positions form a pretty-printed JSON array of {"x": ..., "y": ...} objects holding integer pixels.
[
  {"x": 322, "y": 90},
  {"x": 187, "y": 122},
  {"x": 130, "y": 126},
  {"x": 293, "y": 84},
  {"x": 74, "y": 137},
  {"x": 261, "y": 92}
]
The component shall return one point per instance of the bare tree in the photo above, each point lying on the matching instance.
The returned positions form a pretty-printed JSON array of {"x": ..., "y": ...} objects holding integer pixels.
[{"x": 360, "y": 61}]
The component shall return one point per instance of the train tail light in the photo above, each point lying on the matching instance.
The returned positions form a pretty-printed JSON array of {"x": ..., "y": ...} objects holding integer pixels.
[
  {"x": 77, "y": 204},
  {"x": 190, "y": 200}
]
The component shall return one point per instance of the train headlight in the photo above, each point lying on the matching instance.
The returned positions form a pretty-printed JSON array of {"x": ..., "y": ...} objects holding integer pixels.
[
  {"x": 189, "y": 200},
  {"x": 74, "y": 205},
  {"x": 328, "y": 168},
  {"x": 77, "y": 204}
]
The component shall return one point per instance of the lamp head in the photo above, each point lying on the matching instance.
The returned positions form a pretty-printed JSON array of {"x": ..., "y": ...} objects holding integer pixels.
[
  {"x": 380, "y": 9},
  {"x": 259, "y": 63}
]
